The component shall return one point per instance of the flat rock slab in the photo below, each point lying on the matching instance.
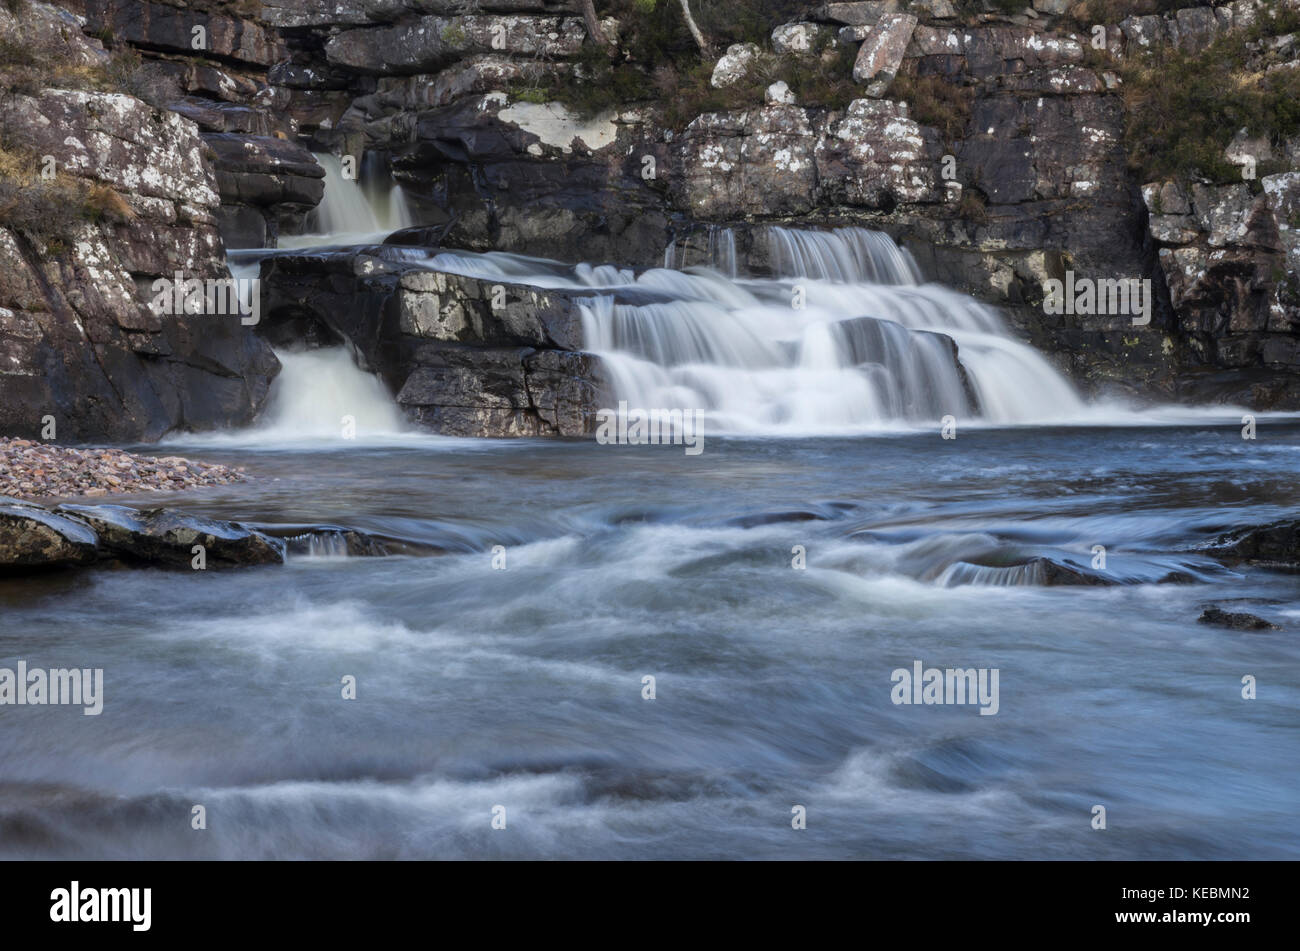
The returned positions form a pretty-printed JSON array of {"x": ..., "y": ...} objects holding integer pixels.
[{"x": 167, "y": 537}]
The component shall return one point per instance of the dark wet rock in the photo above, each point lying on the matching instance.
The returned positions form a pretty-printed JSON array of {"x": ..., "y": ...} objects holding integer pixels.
[
  {"x": 502, "y": 392},
  {"x": 1237, "y": 621},
  {"x": 1055, "y": 573},
  {"x": 166, "y": 537},
  {"x": 1274, "y": 545},
  {"x": 31, "y": 536},
  {"x": 775, "y": 518},
  {"x": 261, "y": 176}
]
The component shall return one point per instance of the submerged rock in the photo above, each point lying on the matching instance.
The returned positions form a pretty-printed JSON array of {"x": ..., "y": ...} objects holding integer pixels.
[
  {"x": 1237, "y": 621},
  {"x": 1273, "y": 545}
]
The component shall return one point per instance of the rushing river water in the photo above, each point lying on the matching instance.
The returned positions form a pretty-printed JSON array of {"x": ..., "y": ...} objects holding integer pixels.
[
  {"x": 771, "y": 585},
  {"x": 522, "y": 687}
]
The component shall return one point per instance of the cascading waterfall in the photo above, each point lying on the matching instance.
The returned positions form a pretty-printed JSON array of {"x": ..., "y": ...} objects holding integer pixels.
[
  {"x": 353, "y": 210},
  {"x": 317, "y": 389},
  {"x": 844, "y": 339},
  {"x": 846, "y": 256},
  {"x": 720, "y": 252}
]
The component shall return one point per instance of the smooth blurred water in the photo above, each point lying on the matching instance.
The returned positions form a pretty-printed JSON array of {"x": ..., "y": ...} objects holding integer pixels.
[{"x": 523, "y": 687}]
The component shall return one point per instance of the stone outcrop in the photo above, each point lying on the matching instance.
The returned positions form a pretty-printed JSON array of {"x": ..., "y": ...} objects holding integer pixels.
[
  {"x": 31, "y": 536},
  {"x": 1229, "y": 258},
  {"x": 267, "y": 186},
  {"x": 211, "y": 62},
  {"x": 435, "y": 41},
  {"x": 463, "y": 356},
  {"x": 188, "y": 31},
  {"x": 35, "y": 537},
  {"x": 84, "y": 356},
  {"x": 168, "y": 538}
]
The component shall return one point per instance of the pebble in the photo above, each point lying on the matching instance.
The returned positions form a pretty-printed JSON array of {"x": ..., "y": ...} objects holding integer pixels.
[{"x": 35, "y": 470}]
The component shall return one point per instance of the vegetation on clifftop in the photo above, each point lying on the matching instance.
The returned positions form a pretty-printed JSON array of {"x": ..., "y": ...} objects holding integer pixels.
[
  {"x": 658, "y": 61},
  {"x": 1183, "y": 109}
]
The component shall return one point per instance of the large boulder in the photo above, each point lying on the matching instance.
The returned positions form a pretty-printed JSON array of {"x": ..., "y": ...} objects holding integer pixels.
[{"x": 733, "y": 65}]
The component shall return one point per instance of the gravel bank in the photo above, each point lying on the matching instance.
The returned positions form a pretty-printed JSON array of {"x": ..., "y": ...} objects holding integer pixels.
[{"x": 36, "y": 470}]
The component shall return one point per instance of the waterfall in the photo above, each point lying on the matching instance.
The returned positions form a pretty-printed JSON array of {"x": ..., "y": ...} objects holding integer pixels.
[
  {"x": 846, "y": 256},
  {"x": 318, "y": 389},
  {"x": 357, "y": 210},
  {"x": 844, "y": 339},
  {"x": 720, "y": 253}
]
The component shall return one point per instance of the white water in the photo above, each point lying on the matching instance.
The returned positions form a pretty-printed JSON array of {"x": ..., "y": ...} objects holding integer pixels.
[
  {"x": 319, "y": 391},
  {"x": 352, "y": 211},
  {"x": 846, "y": 339},
  {"x": 320, "y": 399}
]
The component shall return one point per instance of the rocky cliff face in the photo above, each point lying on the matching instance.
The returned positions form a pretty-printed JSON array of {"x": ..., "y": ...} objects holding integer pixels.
[
  {"x": 1026, "y": 176},
  {"x": 996, "y": 143},
  {"x": 104, "y": 195}
]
